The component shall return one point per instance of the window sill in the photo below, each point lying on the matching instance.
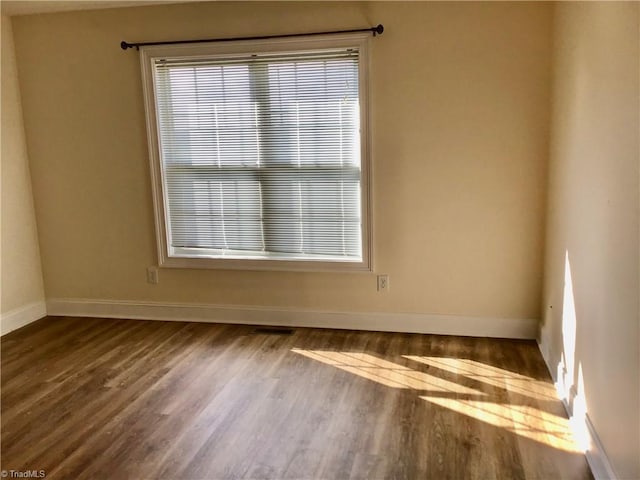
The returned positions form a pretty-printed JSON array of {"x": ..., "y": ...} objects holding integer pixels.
[{"x": 265, "y": 264}]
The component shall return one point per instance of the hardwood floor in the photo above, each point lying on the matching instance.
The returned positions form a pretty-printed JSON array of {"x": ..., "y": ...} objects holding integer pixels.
[{"x": 128, "y": 399}]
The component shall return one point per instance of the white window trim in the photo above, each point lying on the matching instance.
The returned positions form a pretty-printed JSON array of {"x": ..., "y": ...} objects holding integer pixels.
[{"x": 149, "y": 54}]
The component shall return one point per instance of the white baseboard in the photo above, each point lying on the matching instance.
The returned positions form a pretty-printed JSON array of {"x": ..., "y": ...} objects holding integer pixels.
[
  {"x": 384, "y": 322},
  {"x": 21, "y": 316},
  {"x": 596, "y": 456}
]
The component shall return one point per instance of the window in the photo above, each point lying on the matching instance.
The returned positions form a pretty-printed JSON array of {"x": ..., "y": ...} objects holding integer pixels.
[{"x": 259, "y": 153}]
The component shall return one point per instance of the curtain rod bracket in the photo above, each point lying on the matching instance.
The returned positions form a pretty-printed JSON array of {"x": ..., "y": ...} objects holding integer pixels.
[{"x": 377, "y": 30}]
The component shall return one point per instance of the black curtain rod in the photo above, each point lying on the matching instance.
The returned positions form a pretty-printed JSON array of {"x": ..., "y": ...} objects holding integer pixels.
[{"x": 124, "y": 45}]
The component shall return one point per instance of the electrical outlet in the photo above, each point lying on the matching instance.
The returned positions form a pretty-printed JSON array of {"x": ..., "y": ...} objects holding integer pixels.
[
  {"x": 383, "y": 283},
  {"x": 152, "y": 275}
]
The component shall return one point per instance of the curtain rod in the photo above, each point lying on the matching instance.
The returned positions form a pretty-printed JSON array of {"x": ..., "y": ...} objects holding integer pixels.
[{"x": 125, "y": 45}]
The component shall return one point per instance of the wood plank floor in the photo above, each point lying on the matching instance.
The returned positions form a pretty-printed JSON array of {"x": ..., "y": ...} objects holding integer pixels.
[{"x": 128, "y": 399}]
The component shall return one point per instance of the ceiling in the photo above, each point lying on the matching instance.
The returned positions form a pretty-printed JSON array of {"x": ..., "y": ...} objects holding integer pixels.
[{"x": 29, "y": 7}]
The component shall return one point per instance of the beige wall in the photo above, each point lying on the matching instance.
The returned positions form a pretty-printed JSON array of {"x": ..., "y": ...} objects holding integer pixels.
[
  {"x": 459, "y": 118},
  {"x": 21, "y": 272},
  {"x": 591, "y": 300}
]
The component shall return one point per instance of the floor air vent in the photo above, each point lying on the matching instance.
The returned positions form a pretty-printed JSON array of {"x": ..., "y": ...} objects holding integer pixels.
[{"x": 273, "y": 331}]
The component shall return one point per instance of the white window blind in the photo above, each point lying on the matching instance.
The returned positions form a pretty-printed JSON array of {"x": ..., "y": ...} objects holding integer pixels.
[{"x": 260, "y": 155}]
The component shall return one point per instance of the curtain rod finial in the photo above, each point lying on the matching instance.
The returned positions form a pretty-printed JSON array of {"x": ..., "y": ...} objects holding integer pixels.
[
  {"x": 124, "y": 45},
  {"x": 379, "y": 29}
]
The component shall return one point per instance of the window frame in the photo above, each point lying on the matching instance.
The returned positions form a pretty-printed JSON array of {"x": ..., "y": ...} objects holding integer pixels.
[{"x": 148, "y": 55}]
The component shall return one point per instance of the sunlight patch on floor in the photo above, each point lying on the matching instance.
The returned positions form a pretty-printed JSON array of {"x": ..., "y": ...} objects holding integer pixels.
[
  {"x": 528, "y": 422},
  {"x": 490, "y": 375},
  {"x": 387, "y": 373},
  {"x": 491, "y": 402}
]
